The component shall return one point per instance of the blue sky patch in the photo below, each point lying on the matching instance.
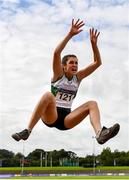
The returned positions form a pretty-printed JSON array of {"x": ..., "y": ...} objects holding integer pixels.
[{"x": 24, "y": 4}]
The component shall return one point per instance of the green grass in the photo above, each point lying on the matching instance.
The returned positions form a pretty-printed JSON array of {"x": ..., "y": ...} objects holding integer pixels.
[
  {"x": 75, "y": 177},
  {"x": 41, "y": 168},
  {"x": 65, "y": 169},
  {"x": 118, "y": 168}
]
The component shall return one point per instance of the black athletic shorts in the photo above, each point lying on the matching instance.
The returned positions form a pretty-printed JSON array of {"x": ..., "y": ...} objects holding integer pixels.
[{"x": 59, "y": 123}]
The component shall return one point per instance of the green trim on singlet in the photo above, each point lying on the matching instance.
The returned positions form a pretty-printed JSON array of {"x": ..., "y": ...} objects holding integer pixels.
[{"x": 54, "y": 90}]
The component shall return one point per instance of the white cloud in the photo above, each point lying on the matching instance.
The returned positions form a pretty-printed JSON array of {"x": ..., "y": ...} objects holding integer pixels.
[{"x": 28, "y": 37}]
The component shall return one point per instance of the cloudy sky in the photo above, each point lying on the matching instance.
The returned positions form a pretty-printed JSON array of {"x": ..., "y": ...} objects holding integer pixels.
[{"x": 29, "y": 32}]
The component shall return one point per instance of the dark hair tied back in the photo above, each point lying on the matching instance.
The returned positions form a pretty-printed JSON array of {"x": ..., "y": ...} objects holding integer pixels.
[{"x": 66, "y": 57}]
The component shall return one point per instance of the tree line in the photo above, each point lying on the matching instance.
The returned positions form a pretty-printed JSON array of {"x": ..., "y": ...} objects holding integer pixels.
[{"x": 39, "y": 157}]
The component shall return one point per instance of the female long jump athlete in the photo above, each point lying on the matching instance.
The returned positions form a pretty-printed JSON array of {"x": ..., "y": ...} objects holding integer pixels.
[{"x": 54, "y": 108}]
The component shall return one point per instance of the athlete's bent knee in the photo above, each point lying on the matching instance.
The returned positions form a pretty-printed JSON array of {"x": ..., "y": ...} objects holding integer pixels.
[
  {"x": 49, "y": 96},
  {"x": 92, "y": 104}
]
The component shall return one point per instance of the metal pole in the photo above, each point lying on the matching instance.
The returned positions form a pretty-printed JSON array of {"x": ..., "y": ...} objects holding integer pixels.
[
  {"x": 22, "y": 164},
  {"x": 93, "y": 154},
  {"x": 51, "y": 161},
  {"x": 46, "y": 159},
  {"x": 41, "y": 159},
  {"x": 78, "y": 161}
]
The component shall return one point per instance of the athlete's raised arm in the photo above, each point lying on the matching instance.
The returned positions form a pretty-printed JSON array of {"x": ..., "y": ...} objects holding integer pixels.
[
  {"x": 57, "y": 66},
  {"x": 97, "y": 59}
]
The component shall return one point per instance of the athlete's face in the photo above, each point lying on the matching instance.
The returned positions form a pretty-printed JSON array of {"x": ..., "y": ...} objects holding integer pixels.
[{"x": 71, "y": 66}]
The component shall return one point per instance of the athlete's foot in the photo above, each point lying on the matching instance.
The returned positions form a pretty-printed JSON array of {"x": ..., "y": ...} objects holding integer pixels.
[
  {"x": 21, "y": 135},
  {"x": 108, "y": 133}
]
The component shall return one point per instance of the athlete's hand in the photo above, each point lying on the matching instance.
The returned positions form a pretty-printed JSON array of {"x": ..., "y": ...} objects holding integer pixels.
[
  {"x": 94, "y": 36},
  {"x": 75, "y": 27}
]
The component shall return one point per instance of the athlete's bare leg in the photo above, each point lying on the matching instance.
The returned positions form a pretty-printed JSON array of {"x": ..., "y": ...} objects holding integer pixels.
[
  {"x": 76, "y": 116},
  {"x": 45, "y": 109}
]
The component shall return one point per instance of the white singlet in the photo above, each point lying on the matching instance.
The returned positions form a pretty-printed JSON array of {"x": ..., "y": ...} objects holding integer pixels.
[{"x": 65, "y": 91}]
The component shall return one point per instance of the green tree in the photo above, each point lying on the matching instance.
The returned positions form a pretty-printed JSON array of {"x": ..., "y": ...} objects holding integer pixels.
[
  {"x": 6, "y": 157},
  {"x": 88, "y": 161},
  {"x": 35, "y": 157},
  {"x": 17, "y": 160},
  {"x": 107, "y": 157}
]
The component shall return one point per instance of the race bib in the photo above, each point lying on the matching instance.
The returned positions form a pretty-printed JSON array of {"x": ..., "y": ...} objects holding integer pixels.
[{"x": 65, "y": 96}]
